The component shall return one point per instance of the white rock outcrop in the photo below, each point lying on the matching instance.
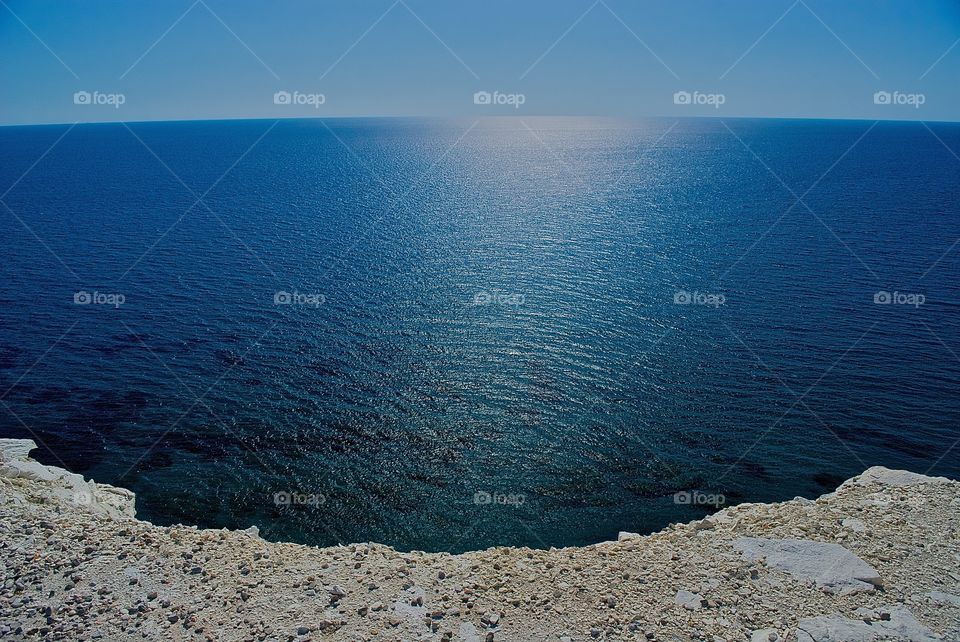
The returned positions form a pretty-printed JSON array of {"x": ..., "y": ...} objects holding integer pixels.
[
  {"x": 829, "y": 566},
  {"x": 73, "y": 489},
  {"x": 890, "y": 477},
  {"x": 888, "y": 623}
]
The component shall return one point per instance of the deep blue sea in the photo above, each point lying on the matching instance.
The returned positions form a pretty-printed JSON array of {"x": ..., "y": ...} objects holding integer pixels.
[{"x": 446, "y": 335}]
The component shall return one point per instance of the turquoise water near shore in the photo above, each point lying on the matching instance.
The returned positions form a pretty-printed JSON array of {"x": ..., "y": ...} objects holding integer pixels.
[{"x": 444, "y": 335}]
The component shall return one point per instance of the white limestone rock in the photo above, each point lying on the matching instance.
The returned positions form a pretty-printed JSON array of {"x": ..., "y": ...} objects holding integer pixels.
[
  {"x": 830, "y": 566},
  {"x": 73, "y": 489},
  {"x": 943, "y": 599},
  {"x": 16, "y": 449},
  {"x": 468, "y": 633},
  {"x": 889, "y": 477},
  {"x": 895, "y": 623},
  {"x": 688, "y": 600},
  {"x": 765, "y": 635}
]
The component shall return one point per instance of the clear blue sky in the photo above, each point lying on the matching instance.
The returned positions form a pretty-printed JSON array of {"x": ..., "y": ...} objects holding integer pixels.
[{"x": 428, "y": 57}]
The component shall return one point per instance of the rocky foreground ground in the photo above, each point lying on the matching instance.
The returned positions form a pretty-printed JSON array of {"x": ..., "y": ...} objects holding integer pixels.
[{"x": 879, "y": 559}]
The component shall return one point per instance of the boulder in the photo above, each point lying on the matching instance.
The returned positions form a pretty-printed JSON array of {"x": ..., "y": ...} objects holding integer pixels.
[
  {"x": 895, "y": 623},
  {"x": 830, "y": 566},
  {"x": 943, "y": 599}
]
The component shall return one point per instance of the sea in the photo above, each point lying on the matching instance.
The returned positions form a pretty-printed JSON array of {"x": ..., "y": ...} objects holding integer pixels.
[{"x": 450, "y": 334}]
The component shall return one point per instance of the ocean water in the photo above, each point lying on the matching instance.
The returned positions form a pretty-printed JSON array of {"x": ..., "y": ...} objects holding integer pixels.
[{"x": 446, "y": 335}]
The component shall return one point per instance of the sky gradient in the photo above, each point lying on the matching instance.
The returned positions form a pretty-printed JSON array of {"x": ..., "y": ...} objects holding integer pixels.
[{"x": 209, "y": 59}]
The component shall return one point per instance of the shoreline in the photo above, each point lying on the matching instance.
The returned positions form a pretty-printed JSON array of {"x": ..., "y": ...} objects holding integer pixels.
[{"x": 879, "y": 558}]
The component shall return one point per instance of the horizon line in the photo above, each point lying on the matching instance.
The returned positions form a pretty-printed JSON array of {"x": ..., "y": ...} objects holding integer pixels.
[{"x": 475, "y": 117}]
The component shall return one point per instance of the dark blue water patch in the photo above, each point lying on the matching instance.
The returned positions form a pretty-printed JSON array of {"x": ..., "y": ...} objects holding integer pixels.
[
  {"x": 229, "y": 358},
  {"x": 133, "y": 338},
  {"x": 9, "y": 357},
  {"x": 827, "y": 481},
  {"x": 917, "y": 447},
  {"x": 155, "y": 459},
  {"x": 207, "y": 445},
  {"x": 77, "y": 449},
  {"x": 40, "y": 396},
  {"x": 508, "y": 330},
  {"x": 751, "y": 469},
  {"x": 323, "y": 370}
]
